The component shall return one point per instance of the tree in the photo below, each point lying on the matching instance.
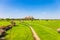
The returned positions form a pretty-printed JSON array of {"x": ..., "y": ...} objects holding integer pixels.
[{"x": 7, "y": 19}]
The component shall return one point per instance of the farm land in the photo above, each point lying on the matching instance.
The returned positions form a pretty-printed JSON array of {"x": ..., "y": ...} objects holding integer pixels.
[{"x": 45, "y": 29}]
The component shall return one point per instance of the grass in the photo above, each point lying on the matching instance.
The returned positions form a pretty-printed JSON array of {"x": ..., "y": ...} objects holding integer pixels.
[
  {"x": 19, "y": 32},
  {"x": 46, "y": 30}
]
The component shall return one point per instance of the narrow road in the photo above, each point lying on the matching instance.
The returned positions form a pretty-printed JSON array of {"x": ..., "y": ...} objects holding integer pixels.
[{"x": 34, "y": 34}]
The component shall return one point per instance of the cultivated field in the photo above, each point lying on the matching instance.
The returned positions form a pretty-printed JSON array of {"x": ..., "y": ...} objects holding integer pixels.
[{"x": 46, "y": 30}]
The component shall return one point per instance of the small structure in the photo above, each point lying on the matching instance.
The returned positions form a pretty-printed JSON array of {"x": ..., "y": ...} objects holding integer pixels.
[
  {"x": 58, "y": 30},
  {"x": 29, "y": 17},
  {"x": 13, "y": 23}
]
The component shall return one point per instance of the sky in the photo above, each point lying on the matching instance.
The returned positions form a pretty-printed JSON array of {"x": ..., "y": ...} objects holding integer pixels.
[{"x": 42, "y": 9}]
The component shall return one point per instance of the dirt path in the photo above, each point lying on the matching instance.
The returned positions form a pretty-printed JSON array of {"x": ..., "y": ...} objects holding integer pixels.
[{"x": 34, "y": 34}]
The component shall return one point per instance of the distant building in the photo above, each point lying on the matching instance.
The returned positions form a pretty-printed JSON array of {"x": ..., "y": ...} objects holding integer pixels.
[{"x": 29, "y": 17}]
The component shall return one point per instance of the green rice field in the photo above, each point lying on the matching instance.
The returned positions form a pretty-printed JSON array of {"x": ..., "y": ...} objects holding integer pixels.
[{"x": 46, "y": 30}]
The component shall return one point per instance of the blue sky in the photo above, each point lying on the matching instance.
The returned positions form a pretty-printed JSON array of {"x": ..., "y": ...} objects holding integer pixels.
[{"x": 42, "y": 9}]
